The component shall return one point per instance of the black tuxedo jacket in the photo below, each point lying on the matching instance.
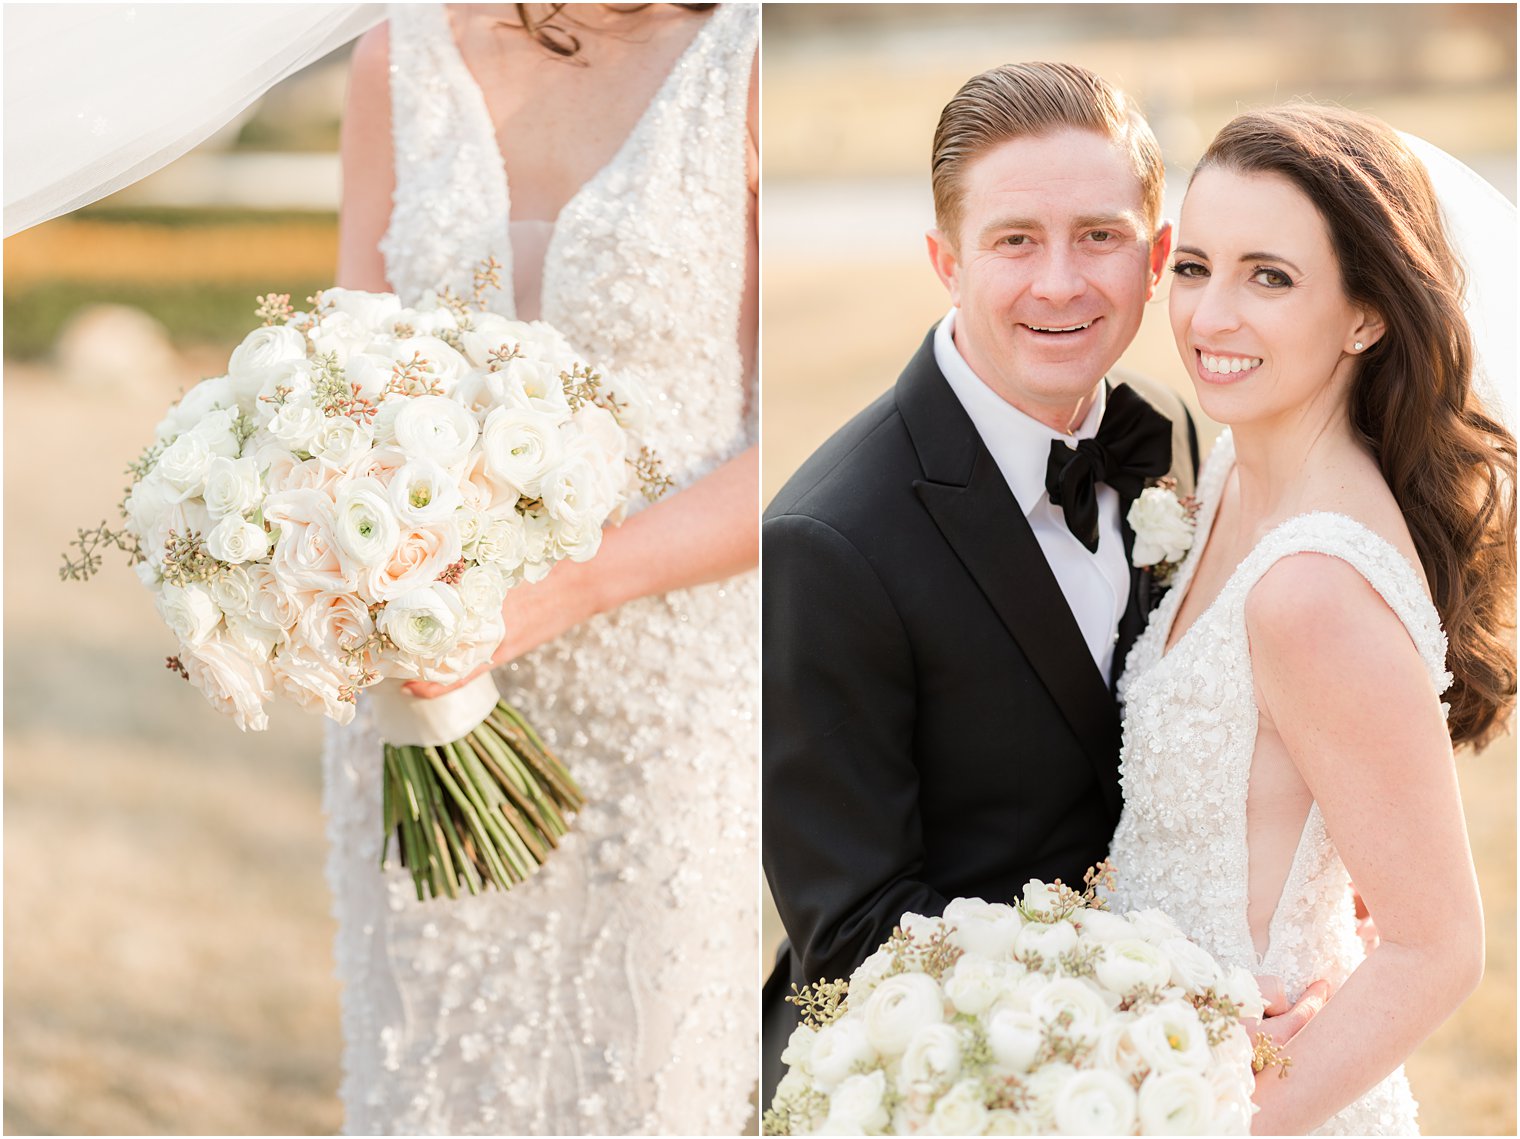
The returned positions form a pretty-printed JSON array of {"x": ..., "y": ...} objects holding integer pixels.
[{"x": 934, "y": 726}]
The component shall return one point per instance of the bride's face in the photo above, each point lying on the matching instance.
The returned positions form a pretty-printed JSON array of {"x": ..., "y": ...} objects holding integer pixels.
[{"x": 1256, "y": 304}]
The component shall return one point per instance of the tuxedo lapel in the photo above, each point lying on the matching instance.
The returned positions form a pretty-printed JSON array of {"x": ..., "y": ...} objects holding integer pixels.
[
  {"x": 966, "y": 495},
  {"x": 1140, "y": 594}
]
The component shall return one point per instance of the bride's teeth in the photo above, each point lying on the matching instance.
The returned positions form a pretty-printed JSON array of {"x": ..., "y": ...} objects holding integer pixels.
[{"x": 1228, "y": 365}]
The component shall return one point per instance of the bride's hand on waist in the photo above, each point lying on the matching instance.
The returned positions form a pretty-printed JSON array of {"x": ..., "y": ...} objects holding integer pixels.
[{"x": 1283, "y": 1020}]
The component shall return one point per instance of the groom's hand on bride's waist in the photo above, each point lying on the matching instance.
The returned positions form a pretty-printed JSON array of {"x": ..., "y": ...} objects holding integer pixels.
[{"x": 1283, "y": 1020}]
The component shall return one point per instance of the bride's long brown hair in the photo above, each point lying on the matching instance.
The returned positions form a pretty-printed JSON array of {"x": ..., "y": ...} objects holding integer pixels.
[
  {"x": 543, "y": 28},
  {"x": 1448, "y": 460}
]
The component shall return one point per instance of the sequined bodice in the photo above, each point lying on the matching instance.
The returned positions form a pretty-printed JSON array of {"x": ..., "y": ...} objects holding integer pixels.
[
  {"x": 614, "y": 991},
  {"x": 1190, "y": 724}
]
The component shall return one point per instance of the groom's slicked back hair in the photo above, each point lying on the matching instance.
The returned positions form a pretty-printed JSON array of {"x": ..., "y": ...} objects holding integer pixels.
[{"x": 1027, "y": 100}]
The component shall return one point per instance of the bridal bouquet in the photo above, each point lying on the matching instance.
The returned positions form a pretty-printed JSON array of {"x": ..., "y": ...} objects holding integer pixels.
[
  {"x": 1052, "y": 1016},
  {"x": 346, "y": 509}
]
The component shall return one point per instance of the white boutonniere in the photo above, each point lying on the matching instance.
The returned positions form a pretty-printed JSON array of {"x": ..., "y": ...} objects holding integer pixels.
[{"x": 1163, "y": 525}]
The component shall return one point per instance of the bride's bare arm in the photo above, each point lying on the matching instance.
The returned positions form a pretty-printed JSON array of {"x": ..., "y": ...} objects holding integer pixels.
[
  {"x": 1343, "y": 686},
  {"x": 369, "y": 174}
]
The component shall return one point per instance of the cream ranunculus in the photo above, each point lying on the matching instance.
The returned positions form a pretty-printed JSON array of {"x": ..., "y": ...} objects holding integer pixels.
[
  {"x": 1239, "y": 986},
  {"x": 423, "y": 493},
  {"x": 341, "y": 441},
  {"x": 522, "y": 447},
  {"x": 502, "y": 542},
  {"x": 445, "y": 366},
  {"x": 1152, "y": 925},
  {"x": 435, "y": 428},
  {"x": 932, "y": 1060},
  {"x": 424, "y": 622},
  {"x": 976, "y": 982},
  {"x": 868, "y": 974},
  {"x": 234, "y": 540},
  {"x": 297, "y": 423},
  {"x": 183, "y": 466},
  {"x": 1048, "y": 939},
  {"x": 858, "y": 1105},
  {"x": 1169, "y": 1037},
  {"x": 1095, "y": 1102},
  {"x": 365, "y": 526},
  {"x": 420, "y": 556},
  {"x": 1192, "y": 967},
  {"x": 799, "y": 1047},
  {"x": 1127, "y": 965},
  {"x": 535, "y": 384},
  {"x": 340, "y": 333},
  {"x": 1163, "y": 531},
  {"x": 372, "y": 310},
  {"x": 204, "y": 397},
  {"x": 983, "y": 929},
  {"x": 898, "y": 1007},
  {"x": 1044, "y": 1086},
  {"x": 482, "y": 589},
  {"x": 190, "y": 611},
  {"x": 837, "y": 1049},
  {"x": 235, "y": 682},
  {"x": 1176, "y": 1103},
  {"x": 262, "y": 350},
  {"x": 232, "y": 486},
  {"x": 1015, "y": 1038},
  {"x": 1100, "y": 925},
  {"x": 1089, "y": 1009},
  {"x": 960, "y": 1111}
]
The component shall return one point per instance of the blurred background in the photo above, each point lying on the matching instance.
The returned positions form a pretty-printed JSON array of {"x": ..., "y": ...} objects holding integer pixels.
[
  {"x": 850, "y": 98},
  {"x": 168, "y": 946}
]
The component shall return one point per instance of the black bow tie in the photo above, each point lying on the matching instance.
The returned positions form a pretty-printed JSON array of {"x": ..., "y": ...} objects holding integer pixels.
[{"x": 1134, "y": 443}]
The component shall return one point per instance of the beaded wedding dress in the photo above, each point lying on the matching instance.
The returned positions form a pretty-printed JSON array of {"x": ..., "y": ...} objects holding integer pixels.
[
  {"x": 614, "y": 992},
  {"x": 1189, "y": 734}
]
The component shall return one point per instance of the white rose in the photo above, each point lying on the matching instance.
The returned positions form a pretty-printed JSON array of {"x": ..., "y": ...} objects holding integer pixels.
[
  {"x": 1192, "y": 967},
  {"x": 1169, "y": 1037},
  {"x": 1100, "y": 926},
  {"x": 975, "y": 983},
  {"x": 1044, "y": 1086},
  {"x": 218, "y": 430},
  {"x": 423, "y": 493},
  {"x": 445, "y": 366},
  {"x": 899, "y": 1007},
  {"x": 1015, "y": 1038},
  {"x": 1041, "y": 902},
  {"x": 272, "y": 606},
  {"x": 421, "y": 555},
  {"x": 233, "y": 592},
  {"x": 183, "y": 466},
  {"x": 435, "y": 428},
  {"x": 1087, "y": 1007},
  {"x": 534, "y": 385},
  {"x": 340, "y": 441},
  {"x": 234, "y": 540},
  {"x": 983, "y": 929},
  {"x": 1239, "y": 986},
  {"x": 264, "y": 350},
  {"x": 233, "y": 681},
  {"x": 1163, "y": 531},
  {"x": 365, "y": 525},
  {"x": 310, "y": 682},
  {"x": 521, "y": 448},
  {"x": 331, "y": 623},
  {"x": 1152, "y": 925},
  {"x": 1127, "y": 965},
  {"x": 369, "y": 374},
  {"x": 204, "y": 397},
  {"x": 190, "y": 612},
  {"x": 482, "y": 589},
  {"x": 428, "y": 321},
  {"x": 232, "y": 486},
  {"x": 933, "y": 1058},
  {"x": 799, "y": 1047},
  {"x": 373, "y": 310},
  {"x": 837, "y": 1048},
  {"x": 340, "y": 333},
  {"x": 426, "y": 621},
  {"x": 1048, "y": 939},
  {"x": 296, "y": 424},
  {"x": 960, "y": 1111},
  {"x": 857, "y": 1104},
  {"x": 1095, "y": 1103},
  {"x": 149, "y": 501},
  {"x": 306, "y": 554},
  {"x": 252, "y": 638},
  {"x": 1176, "y": 1103},
  {"x": 1006, "y": 1122},
  {"x": 1115, "y": 1051}
]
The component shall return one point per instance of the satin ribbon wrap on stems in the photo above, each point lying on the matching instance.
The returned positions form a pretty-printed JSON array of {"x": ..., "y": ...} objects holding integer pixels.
[{"x": 475, "y": 798}]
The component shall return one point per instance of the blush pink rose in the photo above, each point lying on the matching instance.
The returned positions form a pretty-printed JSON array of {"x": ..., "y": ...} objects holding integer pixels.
[{"x": 423, "y": 553}]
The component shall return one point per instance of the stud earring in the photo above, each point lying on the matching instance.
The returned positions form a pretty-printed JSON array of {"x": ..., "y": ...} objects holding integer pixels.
[{"x": 1358, "y": 346}]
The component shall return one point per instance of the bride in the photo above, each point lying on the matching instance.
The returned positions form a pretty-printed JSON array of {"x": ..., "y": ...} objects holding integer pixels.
[
  {"x": 601, "y": 157},
  {"x": 1290, "y": 716}
]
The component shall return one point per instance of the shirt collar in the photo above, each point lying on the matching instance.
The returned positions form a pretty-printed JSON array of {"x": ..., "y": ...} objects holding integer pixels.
[{"x": 1019, "y": 444}]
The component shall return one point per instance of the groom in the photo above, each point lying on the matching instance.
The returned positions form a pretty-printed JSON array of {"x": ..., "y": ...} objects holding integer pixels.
[{"x": 948, "y": 596}]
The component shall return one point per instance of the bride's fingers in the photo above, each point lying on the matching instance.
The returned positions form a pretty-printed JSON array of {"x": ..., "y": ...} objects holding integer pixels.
[
  {"x": 1273, "y": 995},
  {"x": 1282, "y": 1028},
  {"x": 429, "y": 690}
]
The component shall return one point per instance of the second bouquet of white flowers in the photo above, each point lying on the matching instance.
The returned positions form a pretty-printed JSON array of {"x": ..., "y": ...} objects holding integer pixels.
[
  {"x": 1050, "y": 1017},
  {"x": 347, "y": 508}
]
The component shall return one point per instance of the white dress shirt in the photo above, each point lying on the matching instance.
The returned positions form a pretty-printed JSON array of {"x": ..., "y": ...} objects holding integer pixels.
[{"x": 1096, "y": 586}]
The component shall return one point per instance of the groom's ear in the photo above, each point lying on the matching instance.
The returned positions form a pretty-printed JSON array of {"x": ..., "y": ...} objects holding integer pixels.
[
  {"x": 946, "y": 262},
  {"x": 1161, "y": 249}
]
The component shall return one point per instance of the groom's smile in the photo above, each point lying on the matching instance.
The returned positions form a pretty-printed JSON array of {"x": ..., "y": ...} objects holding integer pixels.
[{"x": 1050, "y": 267}]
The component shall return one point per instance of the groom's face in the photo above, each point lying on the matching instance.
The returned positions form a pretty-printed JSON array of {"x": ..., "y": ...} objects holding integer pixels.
[{"x": 1050, "y": 267}]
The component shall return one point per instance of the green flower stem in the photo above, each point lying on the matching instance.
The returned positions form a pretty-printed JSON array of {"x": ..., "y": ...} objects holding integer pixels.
[
  {"x": 492, "y": 842},
  {"x": 411, "y": 842},
  {"x": 462, "y": 866},
  {"x": 550, "y": 761},
  {"x": 507, "y": 834},
  {"x": 425, "y": 824},
  {"x": 530, "y": 759},
  {"x": 528, "y": 826}
]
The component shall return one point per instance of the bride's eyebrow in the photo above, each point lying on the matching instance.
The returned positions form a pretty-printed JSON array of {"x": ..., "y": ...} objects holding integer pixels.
[{"x": 1259, "y": 255}]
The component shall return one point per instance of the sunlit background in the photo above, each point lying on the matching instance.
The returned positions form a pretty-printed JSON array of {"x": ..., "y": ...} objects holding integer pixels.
[
  {"x": 168, "y": 946},
  {"x": 850, "y": 99}
]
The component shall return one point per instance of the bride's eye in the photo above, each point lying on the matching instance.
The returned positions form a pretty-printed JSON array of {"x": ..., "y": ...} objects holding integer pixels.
[
  {"x": 1189, "y": 270},
  {"x": 1271, "y": 278}
]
